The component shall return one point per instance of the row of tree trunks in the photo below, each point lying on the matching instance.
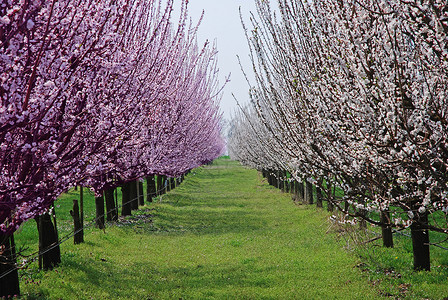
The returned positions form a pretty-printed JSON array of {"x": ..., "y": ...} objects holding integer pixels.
[{"x": 106, "y": 206}]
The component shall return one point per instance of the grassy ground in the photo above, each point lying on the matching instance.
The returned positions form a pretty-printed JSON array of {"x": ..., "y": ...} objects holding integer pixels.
[{"x": 223, "y": 234}]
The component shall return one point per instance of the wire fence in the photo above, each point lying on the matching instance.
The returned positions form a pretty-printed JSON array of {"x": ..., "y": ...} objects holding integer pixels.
[{"x": 35, "y": 255}]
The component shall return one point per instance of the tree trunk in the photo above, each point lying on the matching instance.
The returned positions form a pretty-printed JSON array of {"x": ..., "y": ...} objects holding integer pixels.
[
  {"x": 150, "y": 188},
  {"x": 168, "y": 184},
  {"x": 279, "y": 180},
  {"x": 301, "y": 189},
  {"x": 99, "y": 204},
  {"x": 79, "y": 235},
  {"x": 282, "y": 180},
  {"x": 125, "y": 200},
  {"x": 330, "y": 206},
  {"x": 164, "y": 184},
  {"x": 49, "y": 250},
  {"x": 362, "y": 222},
  {"x": 9, "y": 276},
  {"x": 173, "y": 183},
  {"x": 386, "y": 230},
  {"x": 319, "y": 201},
  {"x": 294, "y": 190},
  {"x": 159, "y": 185},
  {"x": 133, "y": 194},
  {"x": 309, "y": 192},
  {"x": 420, "y": 243},
  {"x": 141, "y": 196},
  {"x": 111, "y": 209}
]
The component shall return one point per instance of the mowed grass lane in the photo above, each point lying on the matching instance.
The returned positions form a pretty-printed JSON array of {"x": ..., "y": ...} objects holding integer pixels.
[{"x": 222, "y": 234}]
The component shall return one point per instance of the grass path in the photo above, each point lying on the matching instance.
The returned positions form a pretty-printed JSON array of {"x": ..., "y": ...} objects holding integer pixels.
[{"x": 223, "y": 234}]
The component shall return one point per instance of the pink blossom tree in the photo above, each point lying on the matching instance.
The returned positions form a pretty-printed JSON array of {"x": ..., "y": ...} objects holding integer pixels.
[{"x": 78, "y": 80}]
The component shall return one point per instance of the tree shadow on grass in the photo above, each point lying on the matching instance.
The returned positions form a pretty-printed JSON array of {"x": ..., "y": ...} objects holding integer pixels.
[
  {"x": 158, "y": 281},
  {"x": 205, "y": 220}
]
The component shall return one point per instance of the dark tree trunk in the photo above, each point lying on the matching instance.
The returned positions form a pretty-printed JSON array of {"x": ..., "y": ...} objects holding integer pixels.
[
  {"x": 164, "y": 184},
  {"x": 168, "y": 184},
  {"x": 141, "y": 195},
  {"x": 159, "y": 185},
  {"x": 301, "y": 193},
  {"x": 133, "y": 194},
  {"x": 420, "y": 243},
  {"x": 49, "y": 250},
  {"x": 294, "y": 190},
  {"x": 319, "y": 197},
  {"x": 279, "y": 180},
  {"x": 287, "y": 183},
  {"x": 346, "y": 206},
  {"x": 150, "y": 188},
  {"x": 173, "y": 183},
  {"x": 78, "y": 238},
  {"x": 386, "y": 230},
  {"x": 125, "y": 200},
  {"x": 111, "y": 209},
  {"x": 99, "y": 205},
  {"x": 330, "y": 206},
  {"x": 9, "y": 283},
  {"x": 309, "y": 192},
  {"x": 362, "y": 222},
  {"x": 283, "y": 181}
]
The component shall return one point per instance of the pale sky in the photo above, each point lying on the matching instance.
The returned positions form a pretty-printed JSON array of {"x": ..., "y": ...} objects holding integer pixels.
[{"x": 221, "y": 23}]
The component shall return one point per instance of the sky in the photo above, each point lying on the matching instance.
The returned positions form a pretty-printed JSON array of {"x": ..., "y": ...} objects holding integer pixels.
[{"x": 221, "y": 23}]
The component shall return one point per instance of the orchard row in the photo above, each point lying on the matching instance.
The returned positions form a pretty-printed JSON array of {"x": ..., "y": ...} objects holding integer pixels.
[
  {"x": 99, "y": 93},
  {"x": 353, "y": 96}
]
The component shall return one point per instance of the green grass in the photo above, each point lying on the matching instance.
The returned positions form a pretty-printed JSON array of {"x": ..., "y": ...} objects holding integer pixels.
[{"x": 222, "y": 234}]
